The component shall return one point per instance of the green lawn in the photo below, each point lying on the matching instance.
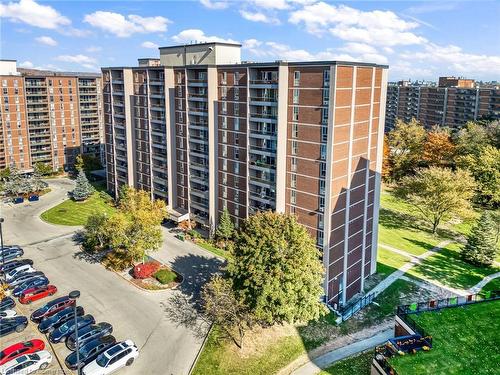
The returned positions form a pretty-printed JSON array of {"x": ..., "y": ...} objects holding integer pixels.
[
  {"x": 465, "y": 341},
  {"x": 448, "y": 268},
  {"x": 214, "y": 249},
  {"x": 492, "y": 285},
  {"x": 390, "y": 258},
  {"x": 357, "y": 365},
  {"x": 70, "y": 212}
]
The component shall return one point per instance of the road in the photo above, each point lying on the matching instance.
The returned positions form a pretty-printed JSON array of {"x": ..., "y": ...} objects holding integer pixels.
[{"x": 165, "y": 347}]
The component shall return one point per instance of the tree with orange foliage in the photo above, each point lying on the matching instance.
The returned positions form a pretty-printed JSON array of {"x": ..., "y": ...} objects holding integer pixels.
[{"x": 439, "y": 150}]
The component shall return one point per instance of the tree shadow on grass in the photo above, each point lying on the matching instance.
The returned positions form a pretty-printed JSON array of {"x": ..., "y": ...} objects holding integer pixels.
[
  {"x": 397, "y": 220},
  {"x": 425, "y": 245}
]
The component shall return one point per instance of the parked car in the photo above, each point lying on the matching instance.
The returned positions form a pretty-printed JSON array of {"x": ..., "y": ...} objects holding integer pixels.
[
  {"x": 7, "y": 313},
  {"x": 9, "y": 254},
  {"x": 6, "y": 247},
  {"x": 119, "y": 355},
  {"x": 24, "y": 277},
  {"x": 11, "y": 264},
  {"x": 89, "y": 333},
  {"x": 14, "y": 324},
  {"x": 64, "y": 330},
  {"x": 33, "y": 198},
  {"x": 11, "y": 275},
  {"x": 31, "y": 283},
  {"x": 28, "y": 363},
  {"x": 36, "y": 293},
  {"x": 89, "y": 351},
  {"x": 49, "y": 324},
  {"x": 19, "y": 349},
  {"x": 18, "y": 200},
  {"x": 7, "y": 303},
  {"x": 50, "y": 308}
]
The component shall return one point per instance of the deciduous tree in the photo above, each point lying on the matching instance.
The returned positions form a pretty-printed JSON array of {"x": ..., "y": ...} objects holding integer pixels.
[
  {"x": 481, "y": 246},
  {"x": 276, "y": 270},
  {"x": 79, "y": 163},
  {"x": 439, "y": 150},
  {"x": 43, "y": 169},
  {"x": 406, "y": 142},
  {"x": 438, "y": 193}
]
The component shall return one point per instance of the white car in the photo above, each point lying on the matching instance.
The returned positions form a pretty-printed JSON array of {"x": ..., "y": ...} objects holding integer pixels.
[
  {"x": 114, "y": 358},
  {"x": 26, "y": 364},
  {"x": 11, "y": 275},
  {"x": 8, "y": 314}
]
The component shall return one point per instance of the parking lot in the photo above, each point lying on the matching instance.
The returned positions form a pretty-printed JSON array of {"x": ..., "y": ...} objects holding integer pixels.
[{"x": 165, "y": 347}]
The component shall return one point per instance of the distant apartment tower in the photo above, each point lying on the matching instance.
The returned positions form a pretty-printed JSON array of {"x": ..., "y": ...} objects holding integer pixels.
[
  {"x": 205, "y": 132},
  {"x": 452, "y": 103},
  {"x": 48, "y": 117}
]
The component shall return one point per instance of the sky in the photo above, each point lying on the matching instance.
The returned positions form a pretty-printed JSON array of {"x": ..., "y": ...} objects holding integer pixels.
[{"x": 417, "y": 39}]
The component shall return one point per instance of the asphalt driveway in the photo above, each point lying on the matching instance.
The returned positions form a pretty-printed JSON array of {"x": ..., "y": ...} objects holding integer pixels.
[{"x": 165, "y": 347}]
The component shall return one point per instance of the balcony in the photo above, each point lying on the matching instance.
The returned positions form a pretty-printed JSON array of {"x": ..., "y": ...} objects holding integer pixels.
[
  {"x": 197, "y": 97},
  {"x": 197, "y": 83},
  {"x": 263, "y": 117},
  {"x": 263, "y": 101},
  {"x": 264, "y": 84},
  {"x": 198, "y": 166}
]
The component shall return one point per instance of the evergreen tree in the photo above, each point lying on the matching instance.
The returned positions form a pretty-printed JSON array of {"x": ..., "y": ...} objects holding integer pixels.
[
  {"x": 481, "y": 247},
  {"x": 225, "y": 229},
  {"x": 83, "y": 188}
]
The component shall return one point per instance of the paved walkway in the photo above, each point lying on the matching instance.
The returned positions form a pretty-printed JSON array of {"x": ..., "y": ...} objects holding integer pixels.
[
  {"x": 476, "y": 288},
  {"x": 316, "y": 365}
]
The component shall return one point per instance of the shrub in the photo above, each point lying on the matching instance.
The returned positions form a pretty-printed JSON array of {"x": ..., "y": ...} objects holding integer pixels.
[
  {"x": 143, "y": 271},
  {"x": 165, "y": 276},
  {"x": 118, "y": 260},
  {"x": 194, "y": 234}
]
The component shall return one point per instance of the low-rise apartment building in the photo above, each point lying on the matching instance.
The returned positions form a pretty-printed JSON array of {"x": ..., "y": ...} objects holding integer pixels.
[
  {"x": 48, "y": 117},
  {"x": 206, "y": 132}
]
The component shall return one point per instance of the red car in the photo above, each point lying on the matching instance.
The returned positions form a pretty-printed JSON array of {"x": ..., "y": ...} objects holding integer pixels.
[
  {"x": 19, "y": 349},
  {"x": 36, "y": 293}
]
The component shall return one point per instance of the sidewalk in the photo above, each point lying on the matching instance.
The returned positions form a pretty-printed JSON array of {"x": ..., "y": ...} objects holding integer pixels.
[{"x": 316, "y": 365}]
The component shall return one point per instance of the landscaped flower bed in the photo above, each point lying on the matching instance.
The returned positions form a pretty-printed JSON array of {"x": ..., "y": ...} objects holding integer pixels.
[{"x": 153, "y": 275}]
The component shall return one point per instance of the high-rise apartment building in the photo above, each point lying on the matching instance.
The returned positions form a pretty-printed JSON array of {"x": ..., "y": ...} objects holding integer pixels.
[
  {"x": 48, "y": 117},
  {"x": 451, "y": 103},
  {"x": 205, "y": 132}
]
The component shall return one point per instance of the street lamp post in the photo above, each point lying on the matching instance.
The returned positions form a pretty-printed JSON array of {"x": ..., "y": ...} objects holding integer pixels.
[{"x": 74, "y": 296}]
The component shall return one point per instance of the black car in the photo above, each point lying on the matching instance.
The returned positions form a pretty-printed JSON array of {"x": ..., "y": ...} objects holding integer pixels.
[
  {"x": 24, "y": 277},
  {"x": 89, "y": 351},
  {"x": 49, "y": 324},
  {"x": 15, "y": 324},
  {"x": 10, "y": 265},
  {"x": 89, "y": 333},
  {"x": 10, "y": 253},
  {"x": 7, "y": 303},
  {"x": 66, "y": 329},
  {"x": 31, "y": 283},
  {"x": 50, "y": 308}
]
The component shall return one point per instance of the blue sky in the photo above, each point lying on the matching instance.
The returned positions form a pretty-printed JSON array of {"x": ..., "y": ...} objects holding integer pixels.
[{"x": 419, "y": 40}]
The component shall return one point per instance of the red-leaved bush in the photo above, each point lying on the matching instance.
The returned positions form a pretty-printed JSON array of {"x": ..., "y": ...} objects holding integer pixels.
[{"x": 143, "y": 271}]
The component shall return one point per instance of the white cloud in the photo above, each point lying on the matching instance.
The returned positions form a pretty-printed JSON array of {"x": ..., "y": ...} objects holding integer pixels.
[
  {"x": 83, "y": 60},
  {"x": 26, "y": 64},
  {"x": 190, "y": 35},
  {"x": 358, "y": 48},
  {"x": 149, "y": 45},
  {"x": 122, "y": 26},
  {"x": 270, "y": 4},
  {"x": 93, "y": 49},
  {"x": 214, "y": 4},
  {"x": 34, "y": 14},
  {"x": 47, "y": 40},
  {"x": 376, "y": 27},
  {"x": 430, "y": 7},
  {"x": 258, "y": 17}
]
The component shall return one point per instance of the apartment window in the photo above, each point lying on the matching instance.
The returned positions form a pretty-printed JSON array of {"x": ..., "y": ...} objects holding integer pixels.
[
  {"x": 224, "y": 204},
  {"x": 224, "y": 192},
  {"x": 322, "y": 149},
  {"x": 60, "y": 82},
  {"x": 224, "y": 78},
  {"x": 292, "y": 210},
  {"x": 236, "y": 124},
  {"x": 179, "y": 90},
  {"x": 236, "y": 154},
  {"x": 5, "y": 91},
  {"x": 224, "y": 179},
  {"x": 224, "y": 122},
  {"x": 236, "y": 168},
  {"x": 320, "y": 238},
  {"x": 224, "y": 107},
  {"x": 293, "y": 180},
  {"x": 236, "y": 139},
  {"x": 179, "y": 77},
  {"x": 236, "y": 93},
  {"x": 236, "y": 196},
  {"x": 224, "y": 136},
  {"x": 296, "y": 78},
  {"x": 295, "y": 96},
  {"x": 236, "y": 109},
  {"x": 224, "y": 164},
  {"x": 326, "y": 78},
  {"x": 320, "y": 221},
  {"x": 293, "y": 162},
  {"x": 322, "y": 187},
  {"x": 223, "y": 92},
  {"x": 293, "y": 197},
  {"x": 295, "y": 130},
  {"x": 236, "y": 183},
  {"x": 295, "y": 116},
  {"x": 324, "y": 133},
  {"x": 295, "y": 147},
  {"x": 324, "y": 115},
  {"x": 236, "y": 211},
  {"x": 322, "y": 169},
  {"x": 181, "y": 116},
  {"x": 224, "y": 151},
  {"x": 321, "y": 203},
  {"x": 236, "y": 78},
  {"x": 326, "y": 96}
]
